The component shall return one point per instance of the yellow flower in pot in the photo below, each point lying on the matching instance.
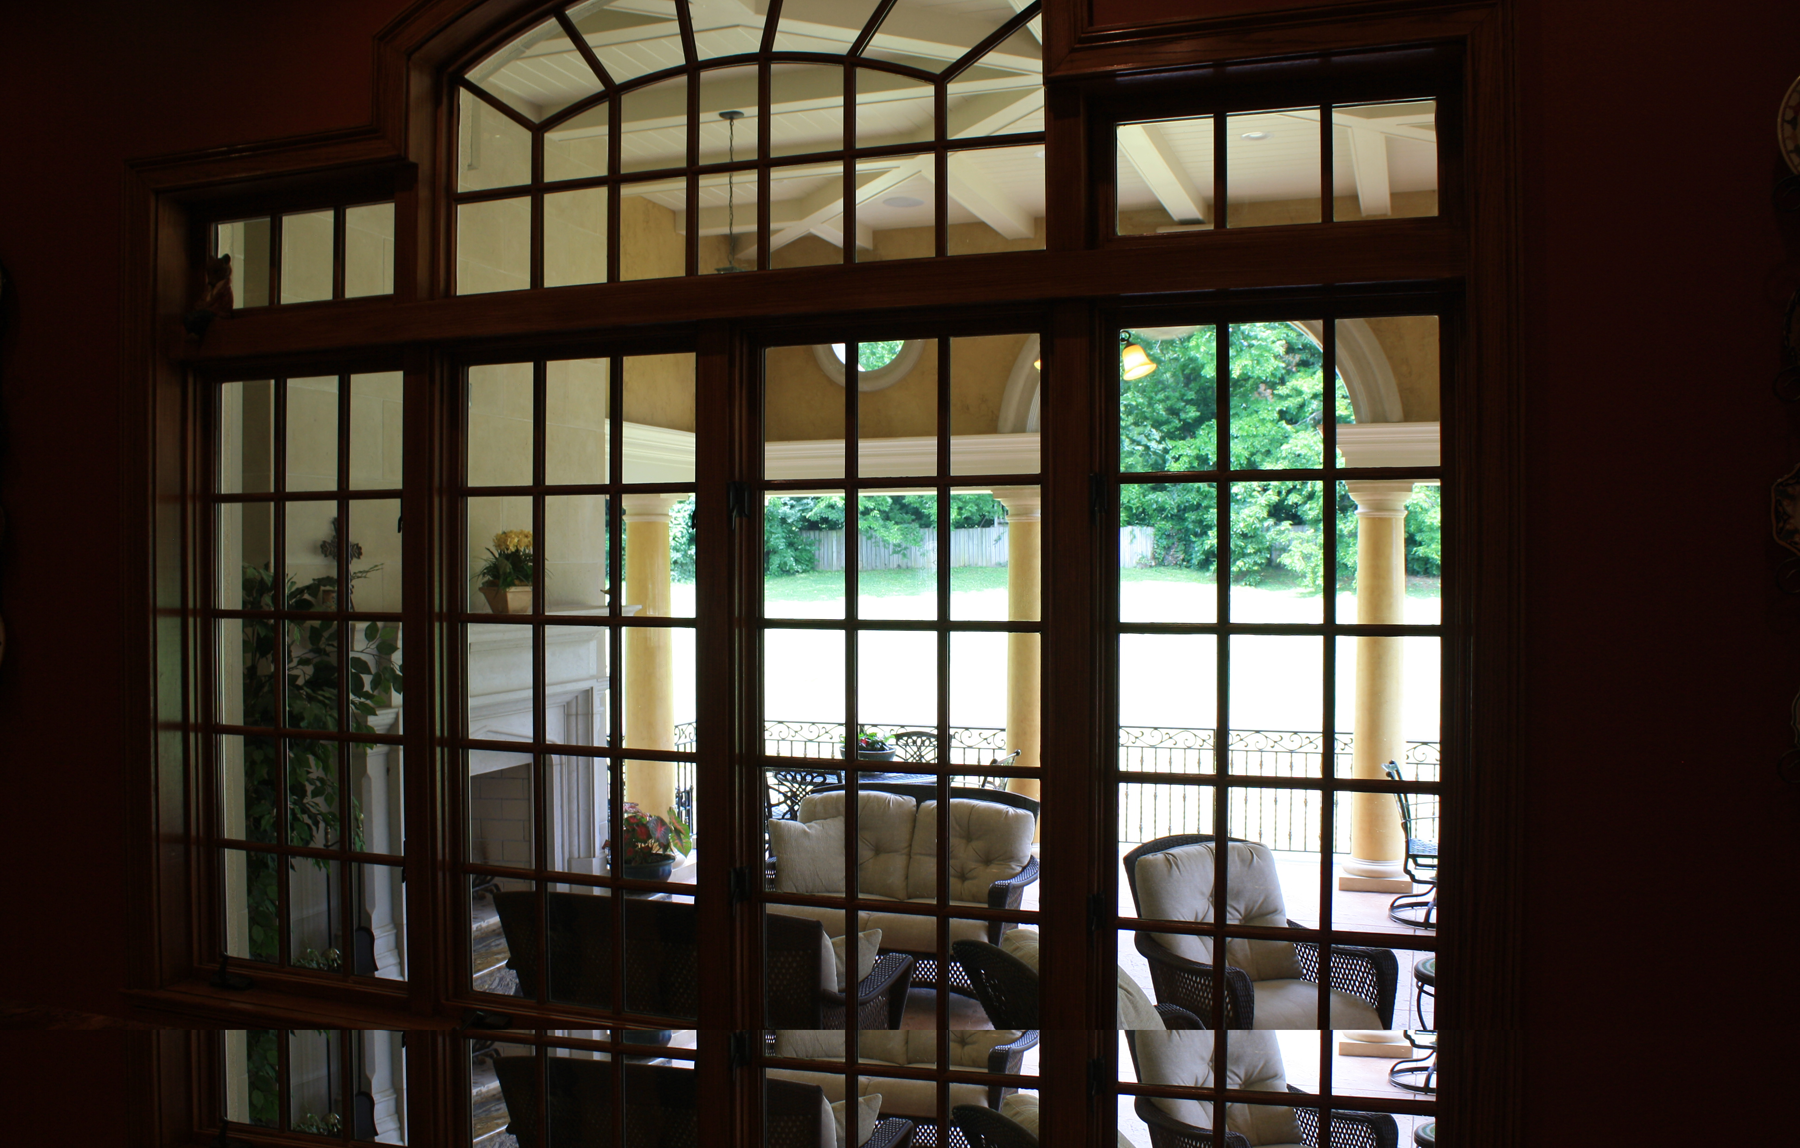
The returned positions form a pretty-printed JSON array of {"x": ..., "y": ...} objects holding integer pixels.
[{"x": 506, "y": 576}]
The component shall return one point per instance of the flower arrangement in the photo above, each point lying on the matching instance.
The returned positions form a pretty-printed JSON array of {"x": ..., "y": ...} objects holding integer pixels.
[
  {"x": 649, "y": 839},
  {"x": 867, "y": 741},
  {"x": 509, "y": 560}
]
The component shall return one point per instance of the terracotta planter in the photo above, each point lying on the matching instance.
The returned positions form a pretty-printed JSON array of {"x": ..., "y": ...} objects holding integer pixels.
[{"x": 512, "y": 600}]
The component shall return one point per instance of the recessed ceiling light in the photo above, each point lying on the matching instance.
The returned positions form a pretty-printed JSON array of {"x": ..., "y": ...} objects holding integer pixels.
[
  {"x": 902, "y": 201},
  {"x": 1254, "y": 136}
]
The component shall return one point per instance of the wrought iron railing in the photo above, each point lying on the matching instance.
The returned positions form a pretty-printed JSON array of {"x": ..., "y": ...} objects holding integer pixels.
[{"x": 1285, "y": 819}]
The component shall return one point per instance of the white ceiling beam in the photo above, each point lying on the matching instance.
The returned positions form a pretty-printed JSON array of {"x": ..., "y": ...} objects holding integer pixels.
[
  {"x": 1149, "y": 152},
  {"x": 827, "y": 203},
  {"x": 1400, "y": 126},
  {"x": 987, "y": 201},
  {"x": 993, "y": 113},
  {"x": 832, "y": 232},
  {"x": 1036, "y": 21},
  {"x": 927, "y": 34},
  {"x": 1369, "y": 164}
]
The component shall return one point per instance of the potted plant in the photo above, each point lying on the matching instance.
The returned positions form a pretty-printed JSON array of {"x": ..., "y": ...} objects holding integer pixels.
[
  {"x": 506, "y": 575},
  {"x": 651, "y": 845},
  {"x": 870, "y": 746}
]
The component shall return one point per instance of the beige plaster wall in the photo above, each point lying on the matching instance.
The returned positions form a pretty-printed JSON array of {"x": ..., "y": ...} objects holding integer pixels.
[
  {"x": 805, "y": 403},
  {"x": 500, "y": 816},
  {"x": 1411, "y": 345},
  {"x": 1345, "y": 208}
]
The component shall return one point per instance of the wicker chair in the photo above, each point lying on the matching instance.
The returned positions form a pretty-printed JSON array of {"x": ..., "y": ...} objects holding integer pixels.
[
  {"x": 661, "y": 958},
  {"x": 1416, "y": 909},
  {"x": 661, "y": 1110},
  {"x": 793, "y": 1113},
  {"x": 986, "y": 1128},
  {"x": 794, "y": 998},
  {"x": 1253, "y": 1063},
  {"x": 1268, "y": 984},
  {"x": 1006, "y": 986}
]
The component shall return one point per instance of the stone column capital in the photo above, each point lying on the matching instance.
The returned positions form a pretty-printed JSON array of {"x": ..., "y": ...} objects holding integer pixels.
[
  {"x": 1380, "y": 497},
  {"x": 1023, "y": 503},
  {"x": 649, "y": 507}
]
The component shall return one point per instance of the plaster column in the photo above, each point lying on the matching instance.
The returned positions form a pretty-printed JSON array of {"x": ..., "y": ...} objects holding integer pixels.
[
  {"x": 1024, "y": 603},
  {"x": 1377, "y": 844},
  {"x": 649, "y": 653}
]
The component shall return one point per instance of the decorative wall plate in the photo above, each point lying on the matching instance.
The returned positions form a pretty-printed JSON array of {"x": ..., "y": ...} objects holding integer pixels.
[
  {"x": 1787, "y": 126},
  {"x": 1785, "y": 509}
]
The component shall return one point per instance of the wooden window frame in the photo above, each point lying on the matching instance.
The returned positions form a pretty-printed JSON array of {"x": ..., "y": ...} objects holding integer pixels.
[{"x": 1473, "y": 252}]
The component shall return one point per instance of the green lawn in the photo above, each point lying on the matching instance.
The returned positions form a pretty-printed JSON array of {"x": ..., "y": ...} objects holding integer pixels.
[{"x": 829, "y": 586}]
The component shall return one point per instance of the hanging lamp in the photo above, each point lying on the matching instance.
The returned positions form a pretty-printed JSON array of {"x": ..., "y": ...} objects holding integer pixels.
[
  {"x": 731, "y": 116},
  {"x": 1134, "y": 361}
]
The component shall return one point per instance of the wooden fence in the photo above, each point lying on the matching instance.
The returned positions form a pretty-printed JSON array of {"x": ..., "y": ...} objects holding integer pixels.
[{"x": 974, "y": 546}]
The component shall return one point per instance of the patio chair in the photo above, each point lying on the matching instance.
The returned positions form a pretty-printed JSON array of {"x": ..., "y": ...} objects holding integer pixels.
[
  {"x": 797, "y": 1115},
  {"x": 915, "y": 745},
  {"x": 1015, "y": 1125},
  {"x": 801, "y": 976},
  {"x": 661, "y": 956},
  {"x": 992, "y": 1052},
  {"x": 1416, "y": 909},
  {"x": 662, "y": 1106},
  {"x": 1252, "y": 1064},
  {"x": 1006, "y": 984},
  {"x": 1006, "y": 762},
  {"x": 1267, "y": 983}
]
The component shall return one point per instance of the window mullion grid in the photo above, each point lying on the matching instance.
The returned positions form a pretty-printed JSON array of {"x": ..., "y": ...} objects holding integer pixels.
[
  {"x": 540, "y": 783},
  {"x": 347, "y": 1039},
  {"x": 536, "y": 266},
  {"x": 274, "y": 258},
  {"x": 1221, "y": 219},
  {"x": 941, "y": 1001},
  {"x": 615, "y": 128},
  {"x": 765, "y": 102},
  {"x": 615, "y": 685},
  {"x": 1222, "y": 701},
  {"x": 1328, "y": 703},
  {"x": 852, "y": 632},
  {"x": 1327, "y": 183},
  {"x": 940, "y": 164},
  {"x": 340, "y": 758},
  {"x": 691, "y": 184},
  {"x": 282, "y": 633},
  {"x": 849, "y": 255},
  {"x": 340, "y": 242}
]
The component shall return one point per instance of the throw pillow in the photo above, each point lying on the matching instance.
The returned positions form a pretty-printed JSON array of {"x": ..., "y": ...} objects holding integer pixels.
[
  {"x": 868, "y": 1114},
  {"x": 868, "y": 947}
]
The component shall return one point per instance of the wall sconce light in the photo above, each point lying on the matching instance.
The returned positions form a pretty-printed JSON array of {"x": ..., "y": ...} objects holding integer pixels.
[{"x": 1134, "y": 361}]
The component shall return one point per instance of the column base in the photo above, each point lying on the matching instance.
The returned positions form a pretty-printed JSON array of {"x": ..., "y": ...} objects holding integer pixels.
[
  {"x": 1390, "y": 1045},
  {"x": 1358, "y": 875}
]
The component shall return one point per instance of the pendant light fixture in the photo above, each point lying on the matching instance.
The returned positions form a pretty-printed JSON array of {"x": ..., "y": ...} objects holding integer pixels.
[
  {"x": 1134, "y": 361},
  {"x": 731, "y": 116}
]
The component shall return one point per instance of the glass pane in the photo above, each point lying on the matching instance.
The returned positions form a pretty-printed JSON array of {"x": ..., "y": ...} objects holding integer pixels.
[
  {"x": 727, "y": 221},
  {"x": 315, "y": 1100},
  {"x": 1273, "y": 872},
  {"x": 806, "y": 108},
  {"x": 1388, "y": 372},
  {"x": 307, "y": 243},
  {"x": 1165, "y": 176},
  {"x": 984, "y": 730},
  {"x": 575, "y": 237},
  {"x": 501, "y": 553},
  {"x": 1386, "y": 863},
  {"x": 897, "y": 556},
  {"x": 376, "y": 778},
  {"x": 803, "y": 693},
  {"x": 897, "y": 412},
  {"x": 500, "y": 804},
  {"x": 503, "y": 942},
  {"x": 1168, "y": 698},
  {"x": 312, "y": 567},
  {"x": 725, "y": 139},
  {"x": 825, "y": 28},
  {"x": 312, "y": 433},
  {"x": 252, "y": 904},
  {"x": 652, "y": 238},
  {"x": 1276, "y": 706},
  {"x": 896, "y": 688},
  {"x": 246, "y": 437},
  {"x": 1277, "y": 396},
  {"x": 500, "y": 662},
  {"x": 997, "y": 200},
  {"x": 249, "y": 771},
  {"x": 252, "y": 1066},
  {"x": 493, "y": 246},
  {"x": 369, "y": 250},
  {"x": 579, "y": 808},
  {"x": 377, "y": 922},
  {"x": 661, "y": 951},
  {"x": 986, "y": 583},
  {"x": 538, "y": 73},
  {"x": 1168, "y": 399},
  {"x": 575, "y": 563},
  {"x": 1384, "y": 159},
  {"x": 1272, "y": 168},
  {"x": 728, "y": 29},
  {"x": 577, "y": 147},
  {"x": 629, "y": 41},
  {"x": 1168, "y": 552},
  {"x": 500, "y": 425},
  {"x": 377, "y": 431},
  {"x": 650, "y": 529},
  {"x": 655, "y": 126},
  {"x": 803, "y": 557},
  {"x": 1390, "y": 690},
  {"x": 893, "y": 109},
  {"x": 995, "y": 413},
  {"x": 803, "y": 416},
  {"x": 1277, "y": 552},
  {"x": 801, "y": 199},
  {"x": 895, "y": 210},
  {"x": 926, "y": 34},
  {"x": 376, "y": 556},
  {"x": 496, "y": 152},
  {"x": 656, "y": 697},
  {"x": 314, "y": 933},
  {"x": 576, "y": 395},
  {"x": 247, "y": 243},
  {"x": 659, "y": 418}
]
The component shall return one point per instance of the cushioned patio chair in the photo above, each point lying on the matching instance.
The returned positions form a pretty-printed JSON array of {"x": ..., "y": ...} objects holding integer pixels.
[
  {"x": 998, "y": 1053},
  {"x": 1005, "y": 978},
  {"x": 1253, "y": 1064},
  {"x": 1418, "y": 909},
  {"x": 579, "y": 1106},
  {"x": 1268, "y": 983},
  {"x": 806, "y": 983},
  {"x": 1015, "y": 1125},
  {"x": 661, "y": 958}
]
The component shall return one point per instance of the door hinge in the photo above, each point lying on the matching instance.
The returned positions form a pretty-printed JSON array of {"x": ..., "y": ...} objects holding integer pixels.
[
  {"x": 1096, "y": 495},
  {"x": 1096, "y": 913},
  {"x": 738, "y": 888},
  {"x": 1096, "y": 1077},
  {"x": 737, "y": 500}
]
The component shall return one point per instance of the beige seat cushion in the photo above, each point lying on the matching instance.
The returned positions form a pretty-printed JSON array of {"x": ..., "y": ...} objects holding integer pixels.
[
  {"x": 1177, "y": 885},
  {"x": 868, "y": 949},
  {"x": 1022, "y": 1109},
  {"x": 1253, "y": 1063},
  {"x": 912, "y": 1099},
  {"x": 809, "y": 853},
  {"x": 1294, "y": 1003},
  {"x": 1135, "y": 1009},
  {"x": 868, "y": 1114},
  {"x": 1022, "y": 943},
  {"x": 900, "y": 932},
  {"x": 988, "y": 842}
]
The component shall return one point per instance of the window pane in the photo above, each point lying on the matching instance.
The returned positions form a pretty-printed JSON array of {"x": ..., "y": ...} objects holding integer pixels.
[
  {"x": 1277, "y": 552},
  {"x": 928, "y": 35},
  {"x": 575, "y": 237},
  {"x": 997, "y": 200},
  {"x": 1167, "y": 399},
  {"x": 369, "y": 250},
  {"x": 500, "y": 423},
  {"x": 307, "y": 243},
  {"x": 803, "y": 693},
  {"x": 827, "y": 28},
  {"x": 656, "y": 697},
  {"x": 502, "y": 553},
  {"x": 1277, "y": 396},
  {"x": 1384, "y": 159},
  {"x": 652, "y": 238},
  {"x": 538, "y": 73},
  {"x": 806, "y": 109},
  {"x": 1168, "y": 552},
  {"x": 1167, "y": 689},
  {"x": 493, "y": 246},
  {"x": 801, "y": 198},
  {"x": 650, "y": 555},
  {"x": 655, "y": 126},
  {"x": 893, "y": 109},
  {"x": 724, "y": 139},
  {"x": 576, "y": 561},
  {"x": 995, "y": 413},
  {"x": 628, "y": 41},
  {"x": 376, "y": 557},
  {"x": 579, "y": 807},
  {"x": 247, "y": 242},
  {"x": 577, "y": 147},
  {"x": 312, "y": 433},
  {"x": 377, "y": 431},
  {"x": 575, "y": 425},
  {"x": 994, "y": 574},
  {"x": 496, "y": 152},
  {"x": 659, "y": 419},
  {"x": 312, "y": 567},
  {"x": 897, "y": 556},
  {"x": 1165, "y": 176},
  {"x": 1272, "y": 168}
]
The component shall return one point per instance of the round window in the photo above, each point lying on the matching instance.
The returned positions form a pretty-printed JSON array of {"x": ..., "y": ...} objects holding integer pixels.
[{"x": 878, "y": 364}]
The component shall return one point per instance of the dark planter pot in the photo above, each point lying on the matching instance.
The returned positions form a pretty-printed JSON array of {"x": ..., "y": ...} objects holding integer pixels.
[
  {"x": 878, "y": 754},
  {"x": 654, "y": 1038},
  {"x": 653, "y": 871}
]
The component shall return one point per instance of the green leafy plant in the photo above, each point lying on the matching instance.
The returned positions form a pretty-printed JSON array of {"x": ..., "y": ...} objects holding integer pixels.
[
  {"x": 308, "y": 664},
  {"x": 262, "y": 1067},
  {"x": 508, "y": 561},
  {"x": 647, "y": 839},
  {"x": 867, "y": 741}
]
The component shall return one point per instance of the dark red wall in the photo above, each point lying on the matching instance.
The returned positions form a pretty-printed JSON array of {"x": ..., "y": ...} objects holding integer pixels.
[{"x": 1663, "y": 852}]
